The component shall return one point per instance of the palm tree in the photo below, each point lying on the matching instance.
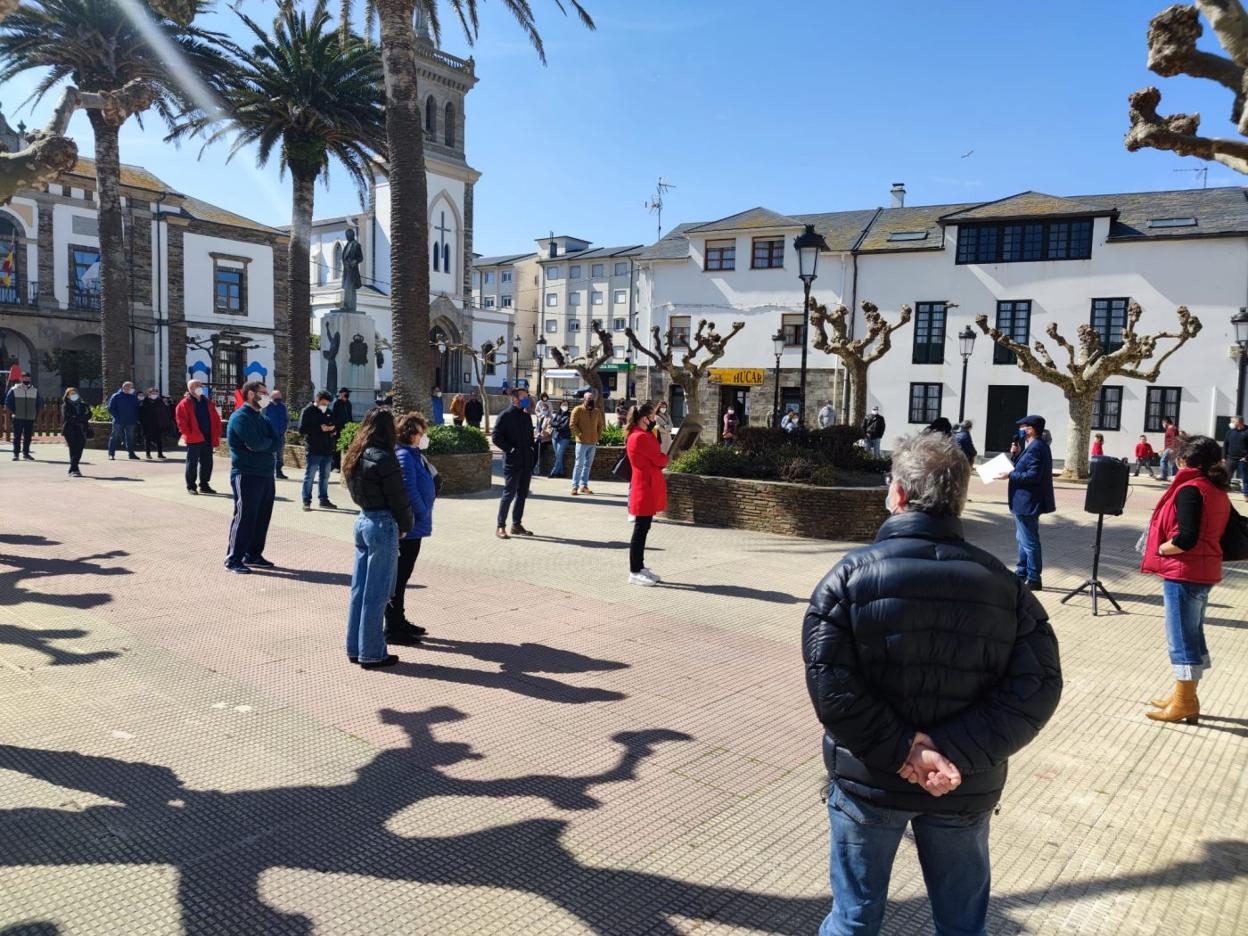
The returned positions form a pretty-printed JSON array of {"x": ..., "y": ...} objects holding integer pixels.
[
  {"x": 409, "y": 226},
  {"x": 100, "y": 48},
  {"x": 317, "y": 94}
]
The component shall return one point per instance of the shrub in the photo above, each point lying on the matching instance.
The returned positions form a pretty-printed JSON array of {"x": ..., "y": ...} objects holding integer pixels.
[
  {"x": 348, "y": 433},
  {"x": 822, "y": 457},
  {"x": 100, "y": 413},
  {"x": 293, "y": 437},
  {"x": 612, "y": 435},
  {"x": 456, "y": 440}
]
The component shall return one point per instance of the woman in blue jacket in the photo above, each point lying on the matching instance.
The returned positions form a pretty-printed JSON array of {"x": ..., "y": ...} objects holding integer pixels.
[{"x": 418, "y": 478}]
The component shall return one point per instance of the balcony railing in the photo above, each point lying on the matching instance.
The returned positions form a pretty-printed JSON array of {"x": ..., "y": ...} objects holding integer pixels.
[
  {"x": 20, "y": 294},
  {"x": 88, "y": 299}
]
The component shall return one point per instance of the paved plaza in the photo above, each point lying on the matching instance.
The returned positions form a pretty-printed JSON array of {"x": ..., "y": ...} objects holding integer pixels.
[{"x": 187, "y": 751}]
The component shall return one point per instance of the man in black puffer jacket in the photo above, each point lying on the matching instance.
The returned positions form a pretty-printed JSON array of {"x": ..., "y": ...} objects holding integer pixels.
[
  {"x": 513, "y": 434},
  {"x": 929, "y": 663}
]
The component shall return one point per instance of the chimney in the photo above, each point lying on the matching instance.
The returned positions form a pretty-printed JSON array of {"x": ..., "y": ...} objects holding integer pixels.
[{"x": 898, "y": 191}]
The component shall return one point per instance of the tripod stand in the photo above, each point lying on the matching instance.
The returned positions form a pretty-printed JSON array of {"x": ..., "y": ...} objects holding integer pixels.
[{"x": 1093, "y": 585}]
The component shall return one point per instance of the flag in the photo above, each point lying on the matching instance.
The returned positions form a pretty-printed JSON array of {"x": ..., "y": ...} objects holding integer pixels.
[{"x": 7, "y": 267}]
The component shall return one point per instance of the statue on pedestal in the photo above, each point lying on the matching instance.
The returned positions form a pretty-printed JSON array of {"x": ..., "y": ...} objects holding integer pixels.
[{"x": 352, "y": 257}]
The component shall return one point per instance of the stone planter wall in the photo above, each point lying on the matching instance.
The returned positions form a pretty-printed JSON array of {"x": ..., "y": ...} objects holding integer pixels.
[
  {"x": 102, "y": 430},
  {"x": 836, "y": 513},
  {"x": 604, "y": 460},
  {"x": 463, "y": 474}
]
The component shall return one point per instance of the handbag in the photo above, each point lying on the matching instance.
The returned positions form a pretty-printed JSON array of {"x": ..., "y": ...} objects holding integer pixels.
[
  {"x": 1235, "y": 538},
  {"x": 437, "y": 478},
  {"x": 623, "y": 469}
]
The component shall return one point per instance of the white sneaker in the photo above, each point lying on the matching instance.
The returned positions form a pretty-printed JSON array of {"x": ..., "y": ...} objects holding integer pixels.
[
  {"x": 637, "y": 578},
  {"x": 632, "y": 519},
  {"x": 649, "y": 573}
]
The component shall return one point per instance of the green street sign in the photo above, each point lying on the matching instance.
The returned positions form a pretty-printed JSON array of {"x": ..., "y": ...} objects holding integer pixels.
[{"x": 616, "y": 367}]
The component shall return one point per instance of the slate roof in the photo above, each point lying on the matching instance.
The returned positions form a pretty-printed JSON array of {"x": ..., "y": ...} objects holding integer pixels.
[
  {"x": 131, "y": 176},
  {"x": 1029, "y": 205},
  {"x": 205, "y": 211},
  {"x": 598, "y": 253},
  {"x": 502, "y": 260},
  {"x": 1219, "y": 212}
]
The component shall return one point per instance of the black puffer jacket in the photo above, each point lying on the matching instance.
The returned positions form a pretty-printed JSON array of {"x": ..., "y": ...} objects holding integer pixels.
[
  {"x": 377, "y": 484},
  {"x": 922, "y": 631}
]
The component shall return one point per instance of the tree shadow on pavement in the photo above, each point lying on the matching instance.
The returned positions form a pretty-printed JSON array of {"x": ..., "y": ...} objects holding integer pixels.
[
  {"x": 26, "y": 539},
  {"x": 17, "y": 570},
  {"x": 736, "y": 591},
  {"x": 518, "y": 664}
]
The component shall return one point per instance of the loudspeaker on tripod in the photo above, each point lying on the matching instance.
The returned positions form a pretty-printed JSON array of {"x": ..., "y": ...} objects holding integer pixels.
[{"x": 1107, "y": 486}]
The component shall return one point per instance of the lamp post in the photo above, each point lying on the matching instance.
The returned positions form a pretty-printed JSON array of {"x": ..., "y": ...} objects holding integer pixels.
[
  {"x": 1240, "y": 322},
  {"x": 515, "y": 353},
  {"x": 777, "y": 341},
  {"x": 541, "y": 353},
  {"x": 966, "y": 344},
  {"x": 808, "y": 244}
]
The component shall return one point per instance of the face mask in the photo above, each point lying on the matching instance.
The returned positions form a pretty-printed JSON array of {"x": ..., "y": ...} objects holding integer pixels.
[
  {"x": 198, "y": 391},
  {"x": 437, "y": 393},
  {"x": 25, "y": 383},
  {"x": 262, "y": 400},
  {"x": 131, "y": 390},
  {"x": 589, "y": 404},
  {"x": 151, "y": 396},
  {"x": 423, "y": 443},
  {"x": 564, "y": 408},
  {"x": 323, "y": 407},
  {"x": 73, "y": 397}
]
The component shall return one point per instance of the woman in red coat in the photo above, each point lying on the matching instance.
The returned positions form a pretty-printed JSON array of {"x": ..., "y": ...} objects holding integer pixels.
[
  {"x": 647, "y": 494},
  {"x": 1184, "y": 547}
]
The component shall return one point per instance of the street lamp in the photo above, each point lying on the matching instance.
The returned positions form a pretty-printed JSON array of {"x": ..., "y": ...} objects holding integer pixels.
[
  {"x": 541, "y": 353},
  {"x": 807, "y": 244},
  {"x": 778, "y": 341},
  {"x": 515, "y": 372},
  {"x": 1240, "y": 322},
  {"x": 966, "y": 344}
]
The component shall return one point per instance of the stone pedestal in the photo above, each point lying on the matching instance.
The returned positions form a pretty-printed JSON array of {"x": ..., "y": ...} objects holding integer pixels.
[{"x": 349, "y": 358}]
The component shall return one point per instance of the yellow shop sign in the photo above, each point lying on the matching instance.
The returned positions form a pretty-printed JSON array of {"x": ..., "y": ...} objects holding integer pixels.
[{"x": 737, "y": 376}]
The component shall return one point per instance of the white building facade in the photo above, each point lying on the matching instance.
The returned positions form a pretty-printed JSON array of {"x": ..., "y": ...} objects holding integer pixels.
[{"x": 1025, "y": 262}]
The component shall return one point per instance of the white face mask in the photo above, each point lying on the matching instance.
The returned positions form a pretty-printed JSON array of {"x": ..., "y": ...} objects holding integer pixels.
[
  {"x": 151, "y": 396},
  {"x": 73, "y": 397},
  {"x": 262, "y": 400},
  {"x": 323, "y": 407},
  {"x": 564, "y": 408},
  {"x": 131, "y": 390},
  {"x": 198, "y": 391},
  {"x": 423, "y": 443}
]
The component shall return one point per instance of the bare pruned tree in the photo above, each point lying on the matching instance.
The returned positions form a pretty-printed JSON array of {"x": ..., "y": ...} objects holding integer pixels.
[
  {"x": 1089, "y": 366},
  {"x": 857, "y": 354},
  {"x": 687, "y": 371},
  {"x": 1172, "y": 37},
  {"x": 587, "y": 364},
  {"x": 482, "y": 358}
]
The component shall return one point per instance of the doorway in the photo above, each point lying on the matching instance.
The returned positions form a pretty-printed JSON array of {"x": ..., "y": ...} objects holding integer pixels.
[
  {"x": 739, "y": 399},
  {"x": 1007, "y": 404}
]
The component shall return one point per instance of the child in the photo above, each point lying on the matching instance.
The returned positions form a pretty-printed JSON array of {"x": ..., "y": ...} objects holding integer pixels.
[
  {"x": 1144, "y": 457},
  {"x": 1098, "y": 445}
]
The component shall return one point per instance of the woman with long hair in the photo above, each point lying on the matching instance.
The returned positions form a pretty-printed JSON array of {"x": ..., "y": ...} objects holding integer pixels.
[
  {"x": 457, "y": 409},
  {"x": 371, "y": 472},
  {"x": 663, "y": 426},
  {"x": 418, "y": 479},
  {"x": 1184, "y": 547},
  {"x": 75, "y": 416},
  {"x": 647, "y": 492}
]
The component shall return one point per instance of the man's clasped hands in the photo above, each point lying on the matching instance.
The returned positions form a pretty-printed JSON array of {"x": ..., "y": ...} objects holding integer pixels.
[{"x": 928, "y": 768}]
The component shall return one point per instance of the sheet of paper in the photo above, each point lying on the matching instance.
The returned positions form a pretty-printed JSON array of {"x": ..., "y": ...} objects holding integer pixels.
[{"x": 989, "y": 470}]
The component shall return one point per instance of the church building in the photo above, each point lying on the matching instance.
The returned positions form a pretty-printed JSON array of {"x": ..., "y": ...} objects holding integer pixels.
[{"x": 444, "y": 81}]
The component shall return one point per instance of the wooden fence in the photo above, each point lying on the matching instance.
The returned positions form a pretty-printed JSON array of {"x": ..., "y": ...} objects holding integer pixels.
[{"x": 47, "y": 423}]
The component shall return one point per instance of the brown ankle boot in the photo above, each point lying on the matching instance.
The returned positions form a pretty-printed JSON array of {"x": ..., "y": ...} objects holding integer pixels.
[
  {"x": 1163, "y": 702},
  {"x": 1184, "y": 706}
]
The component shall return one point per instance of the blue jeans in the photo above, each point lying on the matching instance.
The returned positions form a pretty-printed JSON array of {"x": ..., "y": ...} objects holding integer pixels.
[
  {"x": 873, "y": 446},
  {"x": 372, "y": 583},
  {"x": 1168, "y": 467},
  {"x": 561, "y": 448},
  {"x": 1185, "y": 627},
  {"x": 953, "y": 852},
  {"x": 278, "y": 455},
  {"x": 584, "y": 461},
  {"x": 1239, "y": 469},
  {"x": 1030, "y": 556},
  {"x": 123, "y": 432},
  {"x": 315, "y": 463}
]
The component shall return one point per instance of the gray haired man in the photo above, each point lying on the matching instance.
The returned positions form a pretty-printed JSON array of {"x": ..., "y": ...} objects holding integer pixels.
[{"x": 922, "y": 607}]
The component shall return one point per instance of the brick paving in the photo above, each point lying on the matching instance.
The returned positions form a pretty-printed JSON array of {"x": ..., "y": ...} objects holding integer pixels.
[{"x": 187, "y": 751}]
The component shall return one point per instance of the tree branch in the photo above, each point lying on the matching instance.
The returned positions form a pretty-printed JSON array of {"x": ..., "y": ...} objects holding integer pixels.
[
  {"x": 1177, "y": 133},
  {"x": 1046, "y": 371},
  {"x": 885, "y": 333}
]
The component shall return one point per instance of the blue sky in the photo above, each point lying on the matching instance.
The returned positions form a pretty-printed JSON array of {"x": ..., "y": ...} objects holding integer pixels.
[{"x": 799, "y": 105}]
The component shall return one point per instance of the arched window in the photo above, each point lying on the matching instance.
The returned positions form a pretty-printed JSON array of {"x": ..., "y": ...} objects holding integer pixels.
[
  {"x": 431, "y": 116},
  {"x": 336, "y": 269},
  {"x": 449, "y": 129},
  {"x": 437, "y": 258},
  {"x": 441, "y": 237},
  {"x": 322, "y": 268}
]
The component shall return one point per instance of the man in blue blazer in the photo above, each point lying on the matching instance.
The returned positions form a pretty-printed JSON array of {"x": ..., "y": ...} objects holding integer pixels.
[{"x": 1030, "y": 495}]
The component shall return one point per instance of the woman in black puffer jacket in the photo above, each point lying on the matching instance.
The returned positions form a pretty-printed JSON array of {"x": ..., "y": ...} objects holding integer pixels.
[{"x": 372, "y": 474}]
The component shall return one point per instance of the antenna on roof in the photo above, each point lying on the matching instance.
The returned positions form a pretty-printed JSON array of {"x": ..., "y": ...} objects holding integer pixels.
[
  {"x": 655, "y": 204},
  {"x": 1202, "y": 170}
]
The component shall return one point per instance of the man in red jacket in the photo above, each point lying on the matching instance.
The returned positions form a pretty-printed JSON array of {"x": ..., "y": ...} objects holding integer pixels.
[{"x": 200, "y": 425}]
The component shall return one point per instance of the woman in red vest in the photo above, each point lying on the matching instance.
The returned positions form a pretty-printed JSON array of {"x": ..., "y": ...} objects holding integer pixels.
[
  {"x": 1184, "y": 547},
  {"x": 647, "y": 491}
]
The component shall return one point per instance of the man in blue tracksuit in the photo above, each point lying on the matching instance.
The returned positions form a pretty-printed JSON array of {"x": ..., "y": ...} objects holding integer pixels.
[
  {"x": 124, "y": 407},
  {"x": 276, "y": 414},
  {"x": 252, "y": 442},
  {"x": 1030, "y": 495}
]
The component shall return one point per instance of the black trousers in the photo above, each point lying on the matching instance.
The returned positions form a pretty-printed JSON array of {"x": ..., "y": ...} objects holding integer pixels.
[
  {"x": 76, "y": 444},
  {"x": 149, "y": 438},
  {"x": 253, "y": 508},
  {"x": 198, "y": 461},
  {"x": 515, "y": 488},
  {"x": 637, "y": 548},
  {"x": 23, "y": 429},
  {"x": 409, "y": 549}
]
